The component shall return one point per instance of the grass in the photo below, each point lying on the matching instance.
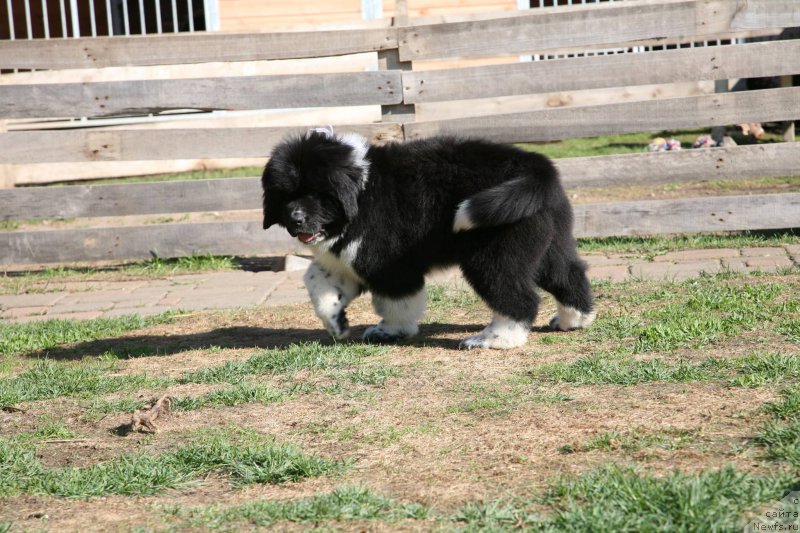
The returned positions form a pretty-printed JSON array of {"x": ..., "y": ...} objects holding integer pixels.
[
  {"x": 244, "y": 457},
  {"x": 607, "y": 499},
  {"x": 202, "y": 174},
  {"x": 296, "y": 357},
  {"x": 622, "y": 499},
  {"x": 41, "y": 336},
  {"x": 241, "y": 393},
  {"x": 697, "y": 313},
  {"x": 47, "y": 379},
  {"x": 753, "y": 370},
  {"x": 635, "y": 440},
  {"x": 781, "y": 434},
  {"x": 342, "y": 504},
  {"x": 652, "y": 246},
  {"x": 629, "y": 143}
]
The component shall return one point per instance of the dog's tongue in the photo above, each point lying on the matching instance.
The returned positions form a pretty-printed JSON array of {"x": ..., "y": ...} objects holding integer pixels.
[{"x": 306, "y": 237}]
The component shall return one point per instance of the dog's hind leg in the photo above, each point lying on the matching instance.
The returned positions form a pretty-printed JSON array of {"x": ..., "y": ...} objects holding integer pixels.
[
  {"x": 565, "y": 278},
  {"x": 330, "y": 294},
  {"x": 399, "y": 316},
  {"x": 500, "y": 266}
]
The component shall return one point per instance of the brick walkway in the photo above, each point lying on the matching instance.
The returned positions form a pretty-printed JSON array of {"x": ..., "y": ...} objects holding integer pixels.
[{"x": 226, "y": 290}]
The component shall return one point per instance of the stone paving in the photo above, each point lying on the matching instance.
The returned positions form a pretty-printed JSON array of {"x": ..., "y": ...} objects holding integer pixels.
[{"x": 237, "y": 289}]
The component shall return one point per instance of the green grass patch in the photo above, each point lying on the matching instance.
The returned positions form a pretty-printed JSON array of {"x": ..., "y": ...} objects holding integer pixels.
[
  {"x": 443, "y": 298},
  {"x": 182, "y": 265},
  {"x": 652, "y": 246},
  {"x": 47, "y": 379},
  {"x": 307, "y": 356},
  {"x": 631, "y": 441},
  {"x": 627, "y": 143},
  {"x": 41, "y": 336},
  {"x": 239, "y": 394},
  {"x": 242, "y": 456},
  {"x": 200, "y": 174},
  {"x": 342, "y": 504},
  {"x": 626, "y": 500},
  {"x": 781, "y": 434},
  {"x": 752, "y": 370},
  {"x": 692, "y": 314}
]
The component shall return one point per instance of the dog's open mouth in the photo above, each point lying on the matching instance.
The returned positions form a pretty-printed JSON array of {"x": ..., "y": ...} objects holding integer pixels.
[{"x": 310, "y": 238}]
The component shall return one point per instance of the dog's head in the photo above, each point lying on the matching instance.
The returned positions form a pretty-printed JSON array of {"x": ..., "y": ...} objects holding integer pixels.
[{"x": 311, "y": 184}]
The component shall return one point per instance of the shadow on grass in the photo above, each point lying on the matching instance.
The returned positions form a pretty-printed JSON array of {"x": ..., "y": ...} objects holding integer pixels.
[{"x": 132, "y": 346}]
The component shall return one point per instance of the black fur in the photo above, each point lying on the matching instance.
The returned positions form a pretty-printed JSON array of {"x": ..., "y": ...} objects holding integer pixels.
[{"x": 403, "y": 210}]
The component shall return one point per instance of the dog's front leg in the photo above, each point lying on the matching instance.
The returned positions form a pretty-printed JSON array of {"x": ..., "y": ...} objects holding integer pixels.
[{"x": 331, "y": 293}]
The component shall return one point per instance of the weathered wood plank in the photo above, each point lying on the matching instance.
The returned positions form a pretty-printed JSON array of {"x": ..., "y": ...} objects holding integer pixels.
[
  {"x": 721, "y": 213},
  {"x": 653, "y": 115},
  {"x": 146, "y": 145},
  {"x": 147, "y": 198},
  {"x": 729, "y": 213},
  {"x": 669, "y": 66},
  {"x": 591, "y": 26},
  {"x": 173, "y": 49},
  {"x": 141, "y": 242},
  {"x": 234, "y": 93},
  {"x": 730, "y": 163}
]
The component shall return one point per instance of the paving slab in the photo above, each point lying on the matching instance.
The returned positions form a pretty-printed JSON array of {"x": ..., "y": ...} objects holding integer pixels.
[
  {"x": 693, "y": 256},
  {"x": 675, "y": 271},
  {"x": 766, "y": 251},
  {"x": 30, "y": 300}
]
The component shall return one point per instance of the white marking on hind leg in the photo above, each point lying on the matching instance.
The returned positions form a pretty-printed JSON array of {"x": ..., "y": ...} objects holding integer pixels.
[
  {"x": 399, "y": 317},
  {"x": 568, "y": 318},
  {"x": 501, "y": 333},
  {"x": 462, "y": 220},
  {"x": 330, "y": 294}
]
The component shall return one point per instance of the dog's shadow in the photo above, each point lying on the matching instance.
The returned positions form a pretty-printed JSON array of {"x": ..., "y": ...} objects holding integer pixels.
[{"x": 432, "y": 335}]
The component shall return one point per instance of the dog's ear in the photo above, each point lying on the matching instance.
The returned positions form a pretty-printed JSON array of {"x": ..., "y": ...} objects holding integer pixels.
[
  {"x": 347, "y": 192},
  {"x": 272, "y": 209}
]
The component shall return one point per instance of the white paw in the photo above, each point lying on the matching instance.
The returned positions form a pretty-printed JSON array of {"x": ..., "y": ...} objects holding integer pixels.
[
  {"x": 568, "y": 318},
  {"x": 502, "y": 333},
  {"x": 382, "y": 333}
]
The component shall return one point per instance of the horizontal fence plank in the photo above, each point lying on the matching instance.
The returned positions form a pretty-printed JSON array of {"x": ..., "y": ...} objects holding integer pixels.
[
  {"x": 719, "y": 213},
  {"x": 143, "y": 242},
  {"x": 174, "y": 49},
  {"x": 78, "y": 201},
  {"x": 668, "y": 66},
  {"x": 234, "y": 93},
  {"x": 645, "y": 116},
  {"x": 685, "y": 166},
  {"x": 652, "y": 217},
  {"x": 593, "y": 25},
  {"x": 148, "y": 145}
]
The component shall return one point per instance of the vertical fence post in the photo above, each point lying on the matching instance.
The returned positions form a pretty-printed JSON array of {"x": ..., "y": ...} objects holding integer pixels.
[
  {"x": 398, "y": 113},
  {"x": 788, "y": 126}
]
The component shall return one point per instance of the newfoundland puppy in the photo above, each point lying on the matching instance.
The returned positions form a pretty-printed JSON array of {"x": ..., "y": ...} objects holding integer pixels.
[{"x": 379, "y": 218}]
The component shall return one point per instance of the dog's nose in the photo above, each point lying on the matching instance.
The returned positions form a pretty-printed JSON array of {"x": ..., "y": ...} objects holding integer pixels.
[{"x": 297, "y": 216}]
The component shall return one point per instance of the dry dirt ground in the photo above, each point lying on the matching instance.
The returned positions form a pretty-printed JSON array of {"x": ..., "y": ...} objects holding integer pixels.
[{"x": 444, "y": 428}]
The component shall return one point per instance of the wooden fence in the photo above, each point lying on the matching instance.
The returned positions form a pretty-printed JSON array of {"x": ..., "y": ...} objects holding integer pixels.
[{"x": 397, "y": 87}]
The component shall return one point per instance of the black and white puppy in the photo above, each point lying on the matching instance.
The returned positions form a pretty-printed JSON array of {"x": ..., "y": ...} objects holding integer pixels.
[{"x": 379, "y": 218}]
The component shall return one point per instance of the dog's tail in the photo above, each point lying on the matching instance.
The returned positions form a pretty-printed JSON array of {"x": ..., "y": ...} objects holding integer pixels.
[{"x": 508, "y": 202}]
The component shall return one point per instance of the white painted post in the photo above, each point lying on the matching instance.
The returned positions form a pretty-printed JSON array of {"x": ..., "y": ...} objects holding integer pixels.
[
  {"x": 524, "y": 4},
  {"x": 211, "y": 10},
  {"x": 371, "y": 9}
]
